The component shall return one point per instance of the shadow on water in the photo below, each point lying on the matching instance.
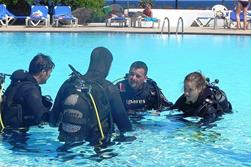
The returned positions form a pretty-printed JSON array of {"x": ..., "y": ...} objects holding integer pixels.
[
  {"x": 16, "y": 139},
  {"x": 23, "y": 142},
  {"x": 70, "y": 151},
  {"x": 32, "y": 142},
  {"x": 244, "y": 158}
]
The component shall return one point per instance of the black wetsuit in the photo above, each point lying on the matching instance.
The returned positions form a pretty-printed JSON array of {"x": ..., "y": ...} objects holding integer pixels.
[
  {"x": 114, "y": 112},
  {"x": 148, "y": 98},
  {"x": 23, "y": 103},
  {"x": 206, "y": 107}
]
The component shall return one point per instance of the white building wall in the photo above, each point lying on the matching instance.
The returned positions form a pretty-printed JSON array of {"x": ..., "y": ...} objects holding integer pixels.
[{"x": 173, "y": 14}]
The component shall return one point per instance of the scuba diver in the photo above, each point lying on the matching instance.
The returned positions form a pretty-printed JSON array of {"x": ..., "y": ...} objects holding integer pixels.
[
  {"x": 140, "y": 93},
  {"x": 86, "y": 106},
  {"x": 23, "y": 104},
  {"x": 203, "y": 99}
]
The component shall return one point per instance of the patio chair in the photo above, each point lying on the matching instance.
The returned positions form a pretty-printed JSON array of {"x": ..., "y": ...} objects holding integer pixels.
[
  {"x": 39, "y": 16},
  {"x": 115, "y": 14},
  {"x": 62, "y": 15},
  {"x": 5, "y": 15},
  {"x": 220, "y": 12}
]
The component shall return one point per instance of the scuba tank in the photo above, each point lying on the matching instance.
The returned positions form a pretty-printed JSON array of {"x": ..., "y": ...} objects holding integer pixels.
[
  {"x": 95, "y": 132},
  {"x": 219, "y": 95}
]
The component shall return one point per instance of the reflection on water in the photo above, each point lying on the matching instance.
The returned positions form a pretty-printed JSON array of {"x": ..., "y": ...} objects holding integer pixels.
[
  {"x": 165, "y": 127},
  {"x": 69, "y": 151},
  {"x": 243, "y": 157},
  {"x": 17, "y": 139},
  {"x": 38, "y": 145}
]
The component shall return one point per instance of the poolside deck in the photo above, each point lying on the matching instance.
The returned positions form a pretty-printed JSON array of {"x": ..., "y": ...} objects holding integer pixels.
[
  {"x": 188, "y": 17},
  {"x": 99, "y": 27}
]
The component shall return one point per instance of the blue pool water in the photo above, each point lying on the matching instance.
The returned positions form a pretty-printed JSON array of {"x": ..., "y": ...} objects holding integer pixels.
[{"x": 161, "y": 140}]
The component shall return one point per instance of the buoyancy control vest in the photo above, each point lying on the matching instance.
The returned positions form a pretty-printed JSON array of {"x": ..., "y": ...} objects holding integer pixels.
[
  {"x": 219, "y": 96},
  {"x": 148, "y": 98},
  {"x": 217, "y": 102},
  {"x": 12, "y": 113},
  {"x": 86, "y": 111}
]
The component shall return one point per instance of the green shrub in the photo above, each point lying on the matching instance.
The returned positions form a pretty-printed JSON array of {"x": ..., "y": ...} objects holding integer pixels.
[
  {"x": 91, "y": 4},
  {"x": 143, "y": 3},
  {"x": 8, "y": 2},
  {"x": 96, "y": 6}
]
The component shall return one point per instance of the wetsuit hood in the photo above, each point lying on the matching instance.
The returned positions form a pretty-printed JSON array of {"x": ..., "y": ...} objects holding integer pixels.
[{"x": 101, "y": 59}]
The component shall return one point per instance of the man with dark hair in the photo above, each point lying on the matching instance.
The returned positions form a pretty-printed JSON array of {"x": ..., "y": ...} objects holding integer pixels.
[
  {"x": 87, "y": 105},
  {"x": 140, "y": 93},
  {"x": 23, "y": 103}
]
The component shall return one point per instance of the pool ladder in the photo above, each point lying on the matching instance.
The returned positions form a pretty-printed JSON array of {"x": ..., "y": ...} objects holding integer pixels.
[
  {"x": 168, "y": 22},
  {"x": 178, "y": 25}
]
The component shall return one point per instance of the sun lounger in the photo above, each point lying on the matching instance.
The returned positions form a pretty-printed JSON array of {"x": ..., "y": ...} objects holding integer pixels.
[
  {"x": 39, "y": 16},
  {"x": 148, "y": 19},
  {"x": 62, "y": 15},
  {"x": 115, "y": 14},
  {"x": 5, "y": 16},
  {"x": 218, "y": 12}
]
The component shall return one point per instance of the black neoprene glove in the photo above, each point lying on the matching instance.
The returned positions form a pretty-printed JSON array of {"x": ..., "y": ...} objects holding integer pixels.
[{"x": 47, "y": 101}]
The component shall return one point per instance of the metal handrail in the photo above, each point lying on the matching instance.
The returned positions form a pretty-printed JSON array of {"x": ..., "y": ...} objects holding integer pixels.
[
  {"x": 166, "y": 18},
  {"x": 178, "y": 25}
]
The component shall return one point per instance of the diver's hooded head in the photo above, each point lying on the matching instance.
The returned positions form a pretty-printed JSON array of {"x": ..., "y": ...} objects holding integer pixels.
[{"x": 100, "y": 63}]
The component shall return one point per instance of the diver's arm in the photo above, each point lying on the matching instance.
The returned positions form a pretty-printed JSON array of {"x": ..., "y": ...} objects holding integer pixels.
[
  {"x": 56, "y": 110},
  {"x": 209, "y": 116},
  {"x": 33, "y": 100},
  {"x": 159, "y": 101},
  {"x": 119, "y": 114},
  {"x": 164, "y": 102},
  {"x": 54, "y": 114},
  {"x": 179, "y": 103}
]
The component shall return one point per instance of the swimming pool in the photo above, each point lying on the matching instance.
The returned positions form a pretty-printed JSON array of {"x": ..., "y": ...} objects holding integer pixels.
[{"x": 161, "y": 140}]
